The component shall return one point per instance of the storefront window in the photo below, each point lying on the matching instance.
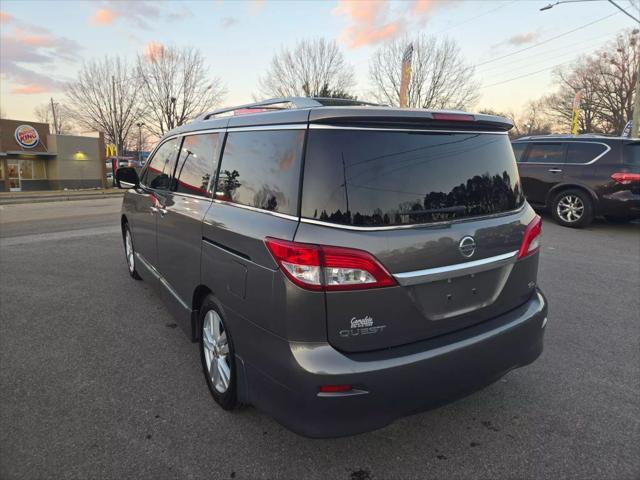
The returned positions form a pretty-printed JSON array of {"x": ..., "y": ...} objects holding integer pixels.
[
  {"x": 1, "y": 170},
  {"x": 26, "y": 169},
  {"x": 32, "y": 169},
  {"x": 39, "y": 169}
]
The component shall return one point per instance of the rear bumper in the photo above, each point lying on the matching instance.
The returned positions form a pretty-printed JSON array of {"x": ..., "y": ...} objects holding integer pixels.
[
  {"x": 623, "y": 203},
  {"x": 396, "y": 382}
]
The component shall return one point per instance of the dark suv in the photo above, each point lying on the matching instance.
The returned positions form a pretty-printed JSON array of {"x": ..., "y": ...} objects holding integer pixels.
[
  {"x": 580, "y": 177},
  {"x": 340, "y": 264}
]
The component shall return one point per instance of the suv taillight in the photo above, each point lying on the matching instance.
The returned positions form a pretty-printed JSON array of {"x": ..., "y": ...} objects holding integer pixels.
[
  {"x": 323, "y": 267},
  {"x": 626, "y": 178},
  {"x": 531, "y": 240}
]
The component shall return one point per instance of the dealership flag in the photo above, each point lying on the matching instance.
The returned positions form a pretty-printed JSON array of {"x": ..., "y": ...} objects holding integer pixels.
[
  {"x": 406, "y": 75},
  {"x": 575, "y": 116}
]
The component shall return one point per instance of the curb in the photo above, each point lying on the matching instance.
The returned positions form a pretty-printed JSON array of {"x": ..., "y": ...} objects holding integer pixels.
[{"x": 57, "y": 198}]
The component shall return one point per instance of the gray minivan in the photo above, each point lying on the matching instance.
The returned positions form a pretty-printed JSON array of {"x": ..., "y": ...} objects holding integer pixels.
[{"x": 340, "y": 264}]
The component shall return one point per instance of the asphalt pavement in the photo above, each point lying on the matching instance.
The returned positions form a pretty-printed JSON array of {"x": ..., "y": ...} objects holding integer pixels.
[{"x": 96, "y": 381}]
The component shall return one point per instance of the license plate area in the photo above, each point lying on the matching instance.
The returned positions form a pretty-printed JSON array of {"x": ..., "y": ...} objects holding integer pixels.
[{"x": 459, "y": 295}]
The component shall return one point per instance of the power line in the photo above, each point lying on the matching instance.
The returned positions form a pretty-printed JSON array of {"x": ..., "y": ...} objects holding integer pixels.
[
  {"x": 547, "y": 52},
  {"x": 547, "y": 40},
  {"x": 525, "y": 75},
  {"x": 487, "y": 12}
]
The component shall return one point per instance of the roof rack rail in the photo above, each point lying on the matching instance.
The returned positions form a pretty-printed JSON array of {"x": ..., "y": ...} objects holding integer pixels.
[{"x": 294, "y": 102}]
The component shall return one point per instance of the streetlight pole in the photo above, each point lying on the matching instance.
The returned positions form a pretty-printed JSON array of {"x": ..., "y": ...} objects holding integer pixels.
[
  {"x": 140, "y": 125},
  {"x": 559, "y": 2}
]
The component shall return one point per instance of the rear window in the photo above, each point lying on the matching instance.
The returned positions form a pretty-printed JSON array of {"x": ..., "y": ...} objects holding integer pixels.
[
  {"x": 373, "y": 178},
  {"x": 579, "y": 152},
  {"x": 632, "y": 153},
  {"x": 261, "y": 169}
]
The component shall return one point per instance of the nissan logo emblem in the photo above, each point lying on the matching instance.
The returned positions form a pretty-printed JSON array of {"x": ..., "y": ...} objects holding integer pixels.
[{"x": 467, "y": 246}]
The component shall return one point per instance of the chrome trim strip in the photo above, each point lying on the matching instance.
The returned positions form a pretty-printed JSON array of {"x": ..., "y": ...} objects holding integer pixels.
[
  {"x": 162, "y": 280},
  {"x": 292, "y": 126},
  {"x": 607, "y": 150},
  {"x": 416, "y": 225},
  {"x": 456, "y": 270},
  {"x": 126, "y": 184},
  {"x": 255, "y": 209},
  {"x": 319, "y": 126},
  {"x": 189, "y": 195}
]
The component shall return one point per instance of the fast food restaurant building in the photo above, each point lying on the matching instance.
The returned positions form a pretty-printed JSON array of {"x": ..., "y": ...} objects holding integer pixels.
[{"x": 33, "y": 159}]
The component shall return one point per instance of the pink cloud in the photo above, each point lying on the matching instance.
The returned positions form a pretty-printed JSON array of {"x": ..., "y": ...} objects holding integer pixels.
[
  {"x": 103, "y": 17},
  {"x": 367, "y": 18},
  {"x": 154, "y": 51},
  {"x": 29, "y": 90},
  {"x": 422, "y": 6},
  {"x": 5, "y": 17},
  {"x": 523, "y": 38}
]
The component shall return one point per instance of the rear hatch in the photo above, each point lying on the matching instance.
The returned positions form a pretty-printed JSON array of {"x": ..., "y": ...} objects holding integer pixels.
[{"x": 438, "y": 203}]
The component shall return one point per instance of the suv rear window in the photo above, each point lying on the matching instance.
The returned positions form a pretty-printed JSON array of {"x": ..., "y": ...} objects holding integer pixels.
[
  {"x": 582, "y": 152},
  {"x": 373, "y": 178},
  {"x": 632, "y": 153},
  {"x": 261, "y": 169}
]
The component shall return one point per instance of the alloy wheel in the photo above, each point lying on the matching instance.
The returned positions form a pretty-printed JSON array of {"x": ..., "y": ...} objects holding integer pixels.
[
  {"x": 570, "y": 208},
  {"x": 216, "y": 351},
  {"x": 129, "y": 252}
]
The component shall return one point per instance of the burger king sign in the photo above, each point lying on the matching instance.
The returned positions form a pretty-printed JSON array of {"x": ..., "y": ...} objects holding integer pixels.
[{"x": 27, "y": 136}]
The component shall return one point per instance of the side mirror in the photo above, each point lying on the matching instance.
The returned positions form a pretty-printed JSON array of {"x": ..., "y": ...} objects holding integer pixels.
[{"x": 127, "y": 177}]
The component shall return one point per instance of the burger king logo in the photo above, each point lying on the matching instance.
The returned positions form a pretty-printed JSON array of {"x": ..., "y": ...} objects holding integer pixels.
[{"x": 27, "y": 136}]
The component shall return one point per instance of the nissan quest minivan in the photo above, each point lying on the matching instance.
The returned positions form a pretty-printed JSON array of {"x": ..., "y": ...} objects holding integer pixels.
[{"x": 340, "y": 264}]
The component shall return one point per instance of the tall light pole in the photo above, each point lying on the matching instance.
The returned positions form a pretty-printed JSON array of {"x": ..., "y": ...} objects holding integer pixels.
[
  {"x": 140, "y": 125},
  {"x": 559, "y": 2}
]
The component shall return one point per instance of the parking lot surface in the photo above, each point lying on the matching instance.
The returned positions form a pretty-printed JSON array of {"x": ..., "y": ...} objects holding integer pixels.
[{"x": 96, "y": 381}]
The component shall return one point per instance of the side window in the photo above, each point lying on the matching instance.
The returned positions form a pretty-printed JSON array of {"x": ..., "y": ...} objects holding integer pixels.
[
  {"x": 160, "y": 167},
  {"x": 518, "y": 150},
  {"x": 262, "y": 169},
  {"x": 578, "y": 152},
  {"x": 546, "y": 153},
  {"x": 197, "y": 164}
]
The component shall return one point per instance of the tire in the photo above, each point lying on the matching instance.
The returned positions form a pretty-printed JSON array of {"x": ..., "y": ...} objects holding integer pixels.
[
  {"x": 217, "y": 355},
  {"x": 572, "y": 208},
  {"x": 130, "y": 252}
]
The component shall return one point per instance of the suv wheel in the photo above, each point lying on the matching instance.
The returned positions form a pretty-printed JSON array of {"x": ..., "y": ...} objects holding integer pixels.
[
  {"x": 129, "y": 252},
  {"x": 572, "y": 208},
  {"x": 217, "y": 354}
]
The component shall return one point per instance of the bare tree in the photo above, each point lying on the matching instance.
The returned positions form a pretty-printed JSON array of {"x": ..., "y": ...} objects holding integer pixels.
[
  {"x": 62, "y": 124},
  {"x": 105, "y": 97},
  {"x": 176, "y": 87},
  {"x": 606, "y": 79},
  {"x": 440, "y": 77},
  {"x": 532, "y": 120},
  {"x": 313, "y": 68},
  {"x": 617, "y": 66}
]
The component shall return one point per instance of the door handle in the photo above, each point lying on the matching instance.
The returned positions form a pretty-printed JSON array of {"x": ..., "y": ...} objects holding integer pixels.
[
  {"x": 555, "y": 170},
  {"x": 160, "y": 210}
]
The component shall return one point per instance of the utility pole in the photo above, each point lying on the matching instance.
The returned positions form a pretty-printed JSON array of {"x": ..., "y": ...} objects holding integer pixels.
[
  {"x": 56, "y": 130},
  {"x": 113, "y": 94},
  {"x": 635, "y": 123}
]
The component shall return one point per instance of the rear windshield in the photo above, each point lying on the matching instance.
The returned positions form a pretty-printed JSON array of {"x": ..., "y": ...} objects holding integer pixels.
[{"x": 372, "y": 178}]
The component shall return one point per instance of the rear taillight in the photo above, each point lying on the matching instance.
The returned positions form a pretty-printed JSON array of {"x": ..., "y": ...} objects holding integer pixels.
[
  {"x": 626, "y": 178},
  {"x": 322, "y": 267},
  {"x": 531, "y": 240}
]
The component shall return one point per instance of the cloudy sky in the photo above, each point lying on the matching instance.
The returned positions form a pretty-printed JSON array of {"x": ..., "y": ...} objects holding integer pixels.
[{"x": 512, "y": 43}]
